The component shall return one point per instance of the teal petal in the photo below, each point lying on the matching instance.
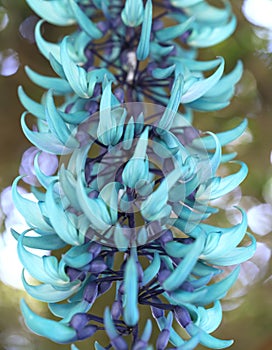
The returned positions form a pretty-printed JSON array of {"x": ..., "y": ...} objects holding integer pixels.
[
  {"x": 163, "y": 73},
  {"x": 151, "y": 271},
  {"x": 45, "y": 141},
  {"x": 224, "y": 137},
  {"x": 200, "y": 87},
  {"x": 147, "y": 331},
  {"x": 144, "y": 43},
  {"x": 46, "y": 48},
  {"x": 60, "y": 86},
  {"x": 48, "y": 294},
  {"x": 67, "y": 311},
  {"x": 43, "y": 179},
  {"x": 131, "y": 312},
  {"x": 95, "y": 209},
  {"x": 76, "y": 75},
  {"x": 206, "y": 339},
  {"x": 109, "y": 325},
  {"x": 61, "y": 220},
  {"x": 55, "y": 12},
  {"x": 78, "y": 256},
  {"x": 32, "y": 107},
  {"x": 219, "y": 289},
  {"x": 228, "y": 238},
  {"x": 190, "y": 344},
  {"x": 209, "y": 319},
  {"x": 53, "y": 330},
  {"x": 133, "y": 13},
  {"x": 45, "y": 242},
  {"x": 30, "y": 210},
  {"x": 137, "y": 168},
  {"x": 85, "y": 22},
  {"x": 35, "y": 265},
  {"x": 170, "y": 33},
  {"x": 204, "y": 36},
  {"x": 182, "y": 271},
  {"x": 120, "y": 239},
  {"x": 56, "y": 124},
  {"x": 172, "y": 107},
  {"x": 97, "y": 346},
  {"x": 237, "y": 255}
]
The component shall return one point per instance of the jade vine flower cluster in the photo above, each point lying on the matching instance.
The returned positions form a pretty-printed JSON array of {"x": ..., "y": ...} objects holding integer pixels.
[{"x": 123, "y": 181}]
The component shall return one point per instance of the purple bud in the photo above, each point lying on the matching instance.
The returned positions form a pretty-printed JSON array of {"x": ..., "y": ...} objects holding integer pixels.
[
  {"x": 116, "y": 309},
  {"x": 163, "y": 339},
  {"x": 167, "y": 236},
  {"x": 119, "y": 94},
  {"x": 150, "y": 67},
  {"x": 184, "y": 37},
  {"x": 86, "y": 332},
  {"x": 187, "y": 286},
  {"x": 121, "y": 289},
  {"x": 156, "y": 312},
  {"x": 91, "y": 106},
  {"x": 182, "y": 316},
  {"x": 103, "y": 26},
  {"x": 163, "y": 274},
  {"x": 93, "y": 194},
  {"x": 48, "y": 164},
  {"x": 97, "y": 266},
  {"x": 116, "y": 22},
  {"x": 90, "y": 292},
  {"x": 157, "y": 25},
  {"x": 79, "y": 321},
  {"x": 97, "y": 90},
  {"x": 75, "y": 274},
  {"x": 95, "y": 249},
  {"x": 176, "y": 260},
  {"x": 68, "y": 108},
  {"x": 119, "y": 343},
  {"x": 188, "y": 240},
  {"x": 140, "y": 271},
  {"x": 104, "y": 287}
]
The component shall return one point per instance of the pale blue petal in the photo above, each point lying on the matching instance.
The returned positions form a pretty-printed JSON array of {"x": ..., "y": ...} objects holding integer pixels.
[
  {"x": 45, "y": 47},
  {"x": 76, "y": 75},
  {"x": 55, "y": 12},
  {"x": 45, "y": 141},
  {"x": 60, "y": 86},
  {"x": 200, "y": 87},
  {"x": 53, "y": 330},
  {"x": 30, "y": 210},
  {"x": 33, "y": 107},
  {"x": 133, "y": 13},
  {"x": 59, "y": 219},
  {"x": 85, "y": 22},
  {"x": 46, "y": 242},
  {"x": 144, "y": 42},
  {"x": 173, "y": 32},
  {"x": 182, "y": 271},
  {"x": 151, "y": 271},
  {"x": 206, "y": 339},
  {"x": 131, "y": 312}
]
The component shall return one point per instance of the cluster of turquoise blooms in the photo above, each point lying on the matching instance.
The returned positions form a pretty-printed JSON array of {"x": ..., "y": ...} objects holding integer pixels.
[{"x": 128, "y": 202}]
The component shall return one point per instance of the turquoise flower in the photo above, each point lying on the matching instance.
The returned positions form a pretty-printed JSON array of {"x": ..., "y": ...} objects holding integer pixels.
[{"x": 129, "y": 202}]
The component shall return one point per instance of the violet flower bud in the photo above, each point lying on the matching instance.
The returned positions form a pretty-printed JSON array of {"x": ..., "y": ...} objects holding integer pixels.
[{"x": 48, "y": 164}]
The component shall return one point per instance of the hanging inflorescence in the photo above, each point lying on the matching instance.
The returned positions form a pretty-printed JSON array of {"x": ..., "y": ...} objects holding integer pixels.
[{"x": 122, "y": 181}]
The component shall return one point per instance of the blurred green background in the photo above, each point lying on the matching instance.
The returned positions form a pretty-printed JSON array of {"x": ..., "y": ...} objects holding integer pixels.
[{"x": 250, "y": 324}]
